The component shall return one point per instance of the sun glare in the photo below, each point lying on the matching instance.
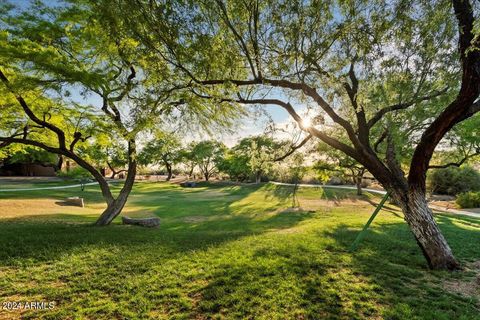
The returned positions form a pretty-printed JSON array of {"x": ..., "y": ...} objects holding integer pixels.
[{"x": 306, "y": 123}]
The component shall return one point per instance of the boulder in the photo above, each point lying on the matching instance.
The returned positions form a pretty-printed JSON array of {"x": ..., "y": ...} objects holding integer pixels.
[
  {"x": 189, "y": 184},
  {"x": 144, "y": 222},
  {"x": 75, "y": 201}
]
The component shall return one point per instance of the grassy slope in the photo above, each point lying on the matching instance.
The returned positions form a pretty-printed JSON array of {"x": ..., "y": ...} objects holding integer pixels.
[{"x": 225, "y": 252}]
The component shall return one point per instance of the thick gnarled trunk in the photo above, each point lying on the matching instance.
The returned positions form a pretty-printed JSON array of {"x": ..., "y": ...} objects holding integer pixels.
[{"x": 428, "y": 235}]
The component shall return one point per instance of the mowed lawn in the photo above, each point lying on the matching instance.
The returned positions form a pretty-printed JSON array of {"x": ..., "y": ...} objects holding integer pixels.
[{"x": 228, "y": 252}]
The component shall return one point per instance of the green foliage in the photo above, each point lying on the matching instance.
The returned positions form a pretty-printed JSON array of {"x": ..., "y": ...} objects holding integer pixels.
[
  {"x": 77, "y": 173},
  {"x": 468, "y": 200},
  {"x": 252, "y": 158},
  {"x": 208, "y": 155},
  {"x": 454, "y": 180},
  {"x": 28, "y": 154},
  {"x": 164, "y": 148}
]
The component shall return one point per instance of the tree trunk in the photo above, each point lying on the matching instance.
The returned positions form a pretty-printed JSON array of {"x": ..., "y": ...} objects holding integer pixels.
[
  {"x": 115, "y": 206},
  {"x": 207, "y": 176},
  {"x": 169, "y": 170},
  {"x": 358, "y": 183},
  {"x": 190, "y": 174},
  {"x": 258, "y": 177},
  {"x": 112, "y": 211},
  {"x": 59, "y": 163},
  {"x": 420, "y": 218}
]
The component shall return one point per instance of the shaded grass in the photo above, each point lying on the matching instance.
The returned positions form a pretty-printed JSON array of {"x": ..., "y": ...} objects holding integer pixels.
[{"x": 228, "y": 252}]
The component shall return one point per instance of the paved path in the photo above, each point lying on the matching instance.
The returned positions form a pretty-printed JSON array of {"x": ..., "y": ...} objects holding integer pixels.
[
  {"x": 50, "y": 188},
  {"x": 434, "y": 207}
]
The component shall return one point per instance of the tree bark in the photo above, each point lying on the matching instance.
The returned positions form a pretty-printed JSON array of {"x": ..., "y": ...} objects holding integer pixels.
[
  {"x": 358, "y": 182},
  {"x": 115, "y": 206},
  {"x": 169, "y": 170},
  {"x": 258, "y": 177},
  {"x": 430, "y": 239}
]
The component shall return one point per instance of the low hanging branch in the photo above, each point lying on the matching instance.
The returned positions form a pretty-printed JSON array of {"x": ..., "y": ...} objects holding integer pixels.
[
  {"x": 455, "y": 164},
  {"x": 293, "y": 148}
]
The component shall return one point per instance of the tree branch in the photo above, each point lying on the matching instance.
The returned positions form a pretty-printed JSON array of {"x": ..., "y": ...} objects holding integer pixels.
[
  {"x": 455, "y": 164},
  {"x": 31, "y": 115},
  {"x": 293, "y": 148},
  {"x": 378, "y": 116},
  {"x": 464, "y": 104}
]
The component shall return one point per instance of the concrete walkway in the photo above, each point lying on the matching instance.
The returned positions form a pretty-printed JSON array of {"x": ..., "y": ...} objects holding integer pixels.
[
  {"x": 382, "y": 192},
  {"x": 50, "y": 188}
]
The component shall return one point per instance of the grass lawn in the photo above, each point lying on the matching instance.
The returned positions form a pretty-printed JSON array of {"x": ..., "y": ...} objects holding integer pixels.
[{"x": 228, "y": 252}]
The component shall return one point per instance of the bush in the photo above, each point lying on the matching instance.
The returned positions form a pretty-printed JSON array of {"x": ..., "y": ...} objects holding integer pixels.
[
  {"x": 77, "y": 173},
  {"x": 469, "y": 200},
  {"x": 453, "y": 180}
]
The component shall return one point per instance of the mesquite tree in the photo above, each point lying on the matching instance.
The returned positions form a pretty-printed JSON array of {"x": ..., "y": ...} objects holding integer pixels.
[
  {"x": 403, "y": 71},
  {"x": 70, "y": 74},
  {"x": 163, "y": 149},
  {"x": 208, "y": 155}
]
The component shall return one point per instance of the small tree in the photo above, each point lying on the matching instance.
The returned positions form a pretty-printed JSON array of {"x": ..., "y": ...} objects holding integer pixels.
[
  {"x": 336, "y": 161},
  {"x": 208, "y": 155},
  {"x": 163, "y": 149},
  {"x": 187, "y": 158}
]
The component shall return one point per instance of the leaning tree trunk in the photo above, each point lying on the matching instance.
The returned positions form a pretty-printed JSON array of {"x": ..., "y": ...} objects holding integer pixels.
[
  {"x": 258, "y": 177},
  {"x": 430, "y": 239},
  {"x": 358, "y": 183},
  {"x": 115, "y": 206},
  {"x": 169, "y": 171}
]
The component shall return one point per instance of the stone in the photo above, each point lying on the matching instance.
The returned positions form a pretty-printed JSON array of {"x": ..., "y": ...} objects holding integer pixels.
[
  {"x": 151, "y": 222},
  {"x": 75, "y": 201},
  {"x": 189, "y": 184}
]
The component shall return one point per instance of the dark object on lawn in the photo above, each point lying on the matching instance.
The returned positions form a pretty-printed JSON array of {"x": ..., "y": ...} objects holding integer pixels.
[
  {"x": 144, "y": 222},
  {"x": 75, "y": 201},
  {"x": 189, "y": 184},
  {"x": 362, "y": 233}
]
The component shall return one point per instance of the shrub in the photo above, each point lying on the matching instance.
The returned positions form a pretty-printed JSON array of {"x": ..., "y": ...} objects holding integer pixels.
[
  {"x": 469, "y": 200},
  {"x": 77, "y": 173},
  {"x": 453, "y": 180}
]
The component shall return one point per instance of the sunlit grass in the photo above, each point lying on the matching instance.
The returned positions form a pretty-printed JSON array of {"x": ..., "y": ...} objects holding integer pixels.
[{"x": 225, "y": 252}]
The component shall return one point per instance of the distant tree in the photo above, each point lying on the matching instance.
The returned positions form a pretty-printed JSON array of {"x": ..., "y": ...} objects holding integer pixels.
[
  {"x": 335, "y": 161},
  {"x": 163, "y": 149},
  {"x": 255, "y": 156},
  {"x": 187, "y": 158},
  {"x": 208, "y": 154},
  {"x": 296, "y": 172}
]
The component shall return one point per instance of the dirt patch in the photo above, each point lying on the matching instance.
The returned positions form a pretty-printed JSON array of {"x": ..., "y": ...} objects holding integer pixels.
[
  {"x": 312, "y": 204},
  {"x": 445, "y": 204},
  {"x": 296, "y": 210},
  {"x": 195, "y": 219},
  {"x": 470, "y": 286}
]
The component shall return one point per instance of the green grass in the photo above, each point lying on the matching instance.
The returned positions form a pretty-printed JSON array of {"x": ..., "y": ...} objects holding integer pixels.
[{"x": 226, "y": 252}]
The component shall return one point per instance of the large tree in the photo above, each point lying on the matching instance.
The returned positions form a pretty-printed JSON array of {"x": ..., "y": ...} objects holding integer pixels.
[
  {"x": 372, "y": 68},
  {"x": 70, "y": 73}
]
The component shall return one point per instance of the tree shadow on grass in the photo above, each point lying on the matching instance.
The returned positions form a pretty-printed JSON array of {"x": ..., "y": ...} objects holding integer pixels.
[
  {"x": 386, "y": 278},
  {"x": 46, "y": 237},
  {"x": 390, "y": 258}
]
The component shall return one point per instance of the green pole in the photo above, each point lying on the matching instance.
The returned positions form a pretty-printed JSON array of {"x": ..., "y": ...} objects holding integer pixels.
[{"x": 363, "y": 233}]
